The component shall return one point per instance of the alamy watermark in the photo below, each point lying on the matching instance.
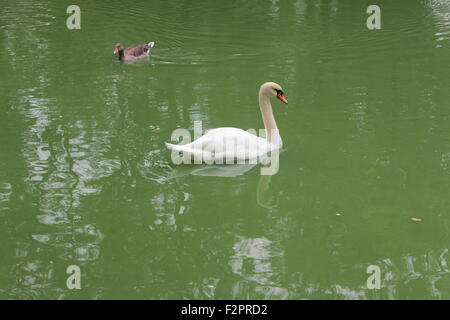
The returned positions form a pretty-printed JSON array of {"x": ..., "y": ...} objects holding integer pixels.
[
  {"x": 374, "y": 20},
  {"x": 74, "y": 20},
  {"x": 374, "y": 280},
  {"x": 74, "y": 280}
]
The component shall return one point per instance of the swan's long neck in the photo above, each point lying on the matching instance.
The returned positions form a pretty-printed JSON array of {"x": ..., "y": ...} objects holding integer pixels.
[{"x": 272, "y": 132}]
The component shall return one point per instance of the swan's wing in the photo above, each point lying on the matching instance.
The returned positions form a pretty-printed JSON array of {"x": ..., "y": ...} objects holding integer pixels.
[
  {"x": 239, "y": 138},
  {"x": 210, "y": 139}
]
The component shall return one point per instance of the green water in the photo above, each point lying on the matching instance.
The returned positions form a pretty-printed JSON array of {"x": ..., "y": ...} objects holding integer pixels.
[{"x": 85, "y": 176}]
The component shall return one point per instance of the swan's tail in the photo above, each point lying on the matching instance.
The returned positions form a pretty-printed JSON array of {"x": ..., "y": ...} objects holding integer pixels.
[
  {"x": 174, "y": 147},
  {"x": 170, "y": 146}
]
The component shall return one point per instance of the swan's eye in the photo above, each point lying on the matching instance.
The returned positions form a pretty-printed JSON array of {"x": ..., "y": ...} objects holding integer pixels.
[{"x": 278, "y": 91}]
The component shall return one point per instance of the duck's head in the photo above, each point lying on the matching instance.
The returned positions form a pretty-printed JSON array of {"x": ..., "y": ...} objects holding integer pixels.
[
  {"x": 118, "y": 47},
  {"x": 272, "y": 89}
]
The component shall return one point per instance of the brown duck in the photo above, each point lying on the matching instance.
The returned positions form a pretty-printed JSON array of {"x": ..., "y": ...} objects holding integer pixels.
[{"x": 136, "y": 52}]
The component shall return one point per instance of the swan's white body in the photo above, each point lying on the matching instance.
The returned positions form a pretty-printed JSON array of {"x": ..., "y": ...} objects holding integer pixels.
[{"x": 225, "y": 143}]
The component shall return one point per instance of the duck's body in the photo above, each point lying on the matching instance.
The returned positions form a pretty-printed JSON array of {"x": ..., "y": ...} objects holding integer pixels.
[
  {"x": 226, "y": 142},
  {"x": 135, "y": 52}
]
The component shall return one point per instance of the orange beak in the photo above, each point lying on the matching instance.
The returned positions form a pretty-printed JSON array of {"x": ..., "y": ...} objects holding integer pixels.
[
  {"x": 116, "y": 50},
  {"x": 282, "y": 98}
]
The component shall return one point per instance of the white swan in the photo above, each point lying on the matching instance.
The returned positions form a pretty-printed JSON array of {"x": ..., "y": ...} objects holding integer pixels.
[{"x": 225, "y": 143}]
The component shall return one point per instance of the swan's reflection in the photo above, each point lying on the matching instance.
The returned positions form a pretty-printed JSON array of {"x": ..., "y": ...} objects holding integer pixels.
[
  {"x": 218, "y": 170},
  {"x": 265, "y": 197}
]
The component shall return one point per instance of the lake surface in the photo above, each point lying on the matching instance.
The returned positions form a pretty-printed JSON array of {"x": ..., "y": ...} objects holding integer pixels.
[{"x": 86, "y": 180}]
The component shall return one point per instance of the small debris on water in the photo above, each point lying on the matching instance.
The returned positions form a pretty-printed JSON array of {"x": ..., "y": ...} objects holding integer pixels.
[
  {"x": 416, "y": 219},
  {"x": 338, "y": 214}
]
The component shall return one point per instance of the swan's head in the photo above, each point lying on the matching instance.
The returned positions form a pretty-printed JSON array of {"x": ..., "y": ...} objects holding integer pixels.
[
  {"x": 272, "y": 89},
  {"x": 118, "y": 47}
]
